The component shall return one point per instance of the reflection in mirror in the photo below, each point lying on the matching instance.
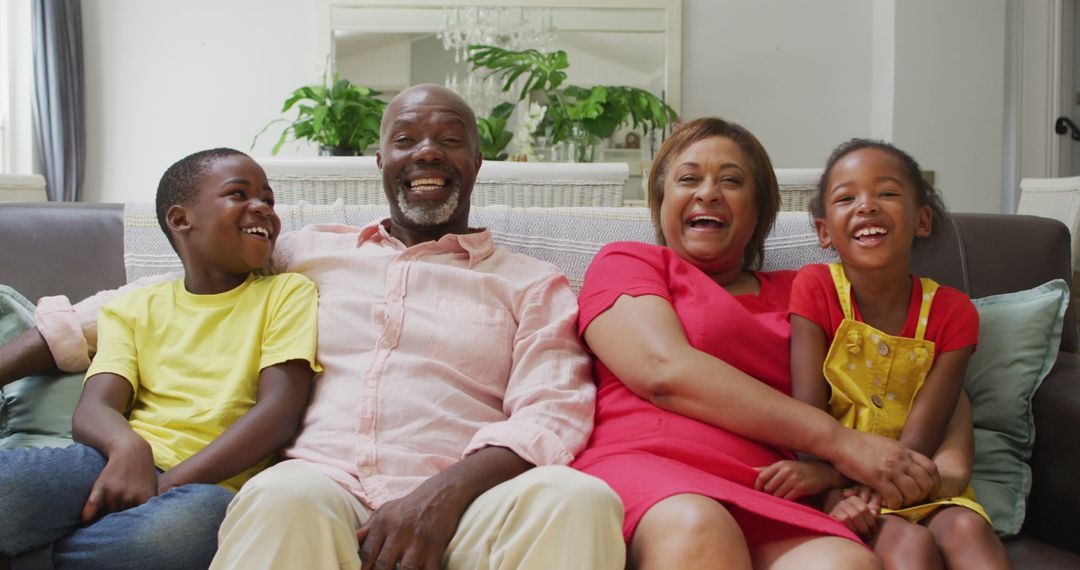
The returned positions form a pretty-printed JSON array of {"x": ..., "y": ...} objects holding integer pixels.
[{"x": 390, "y": 47}]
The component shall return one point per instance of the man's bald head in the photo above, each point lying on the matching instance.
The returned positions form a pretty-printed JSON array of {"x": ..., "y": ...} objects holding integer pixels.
[{"x": 431, "y": 97}]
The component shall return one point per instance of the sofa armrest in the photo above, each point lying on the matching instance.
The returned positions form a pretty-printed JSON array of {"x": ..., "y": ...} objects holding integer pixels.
[{"x": 1055, "y": 461}]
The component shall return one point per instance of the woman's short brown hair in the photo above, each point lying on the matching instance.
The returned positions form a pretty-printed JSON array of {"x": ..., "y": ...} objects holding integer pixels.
[{"x": 767, "y": 192}]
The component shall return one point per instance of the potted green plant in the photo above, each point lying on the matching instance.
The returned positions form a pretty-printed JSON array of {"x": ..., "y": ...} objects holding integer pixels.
[
  {"x": 580, "y": 115},
  {"x": 493, "y": 133},
  {"x": 341, "y": 117}
]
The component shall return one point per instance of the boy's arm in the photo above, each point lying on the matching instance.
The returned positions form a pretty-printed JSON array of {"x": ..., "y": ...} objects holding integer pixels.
[
  {"x": 129, "y": 478},
  {"x": 265, "y": 428},
  {"x": 936, "y": 402}
]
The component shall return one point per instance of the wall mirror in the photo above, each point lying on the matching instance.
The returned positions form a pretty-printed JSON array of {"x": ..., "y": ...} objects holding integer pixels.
[{"x": 389, "y": 45}]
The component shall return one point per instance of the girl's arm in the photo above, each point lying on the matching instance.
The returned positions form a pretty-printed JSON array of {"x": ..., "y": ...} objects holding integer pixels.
[
  {"x": 264, "y": 429},
  {"x": 809, "y": 346},
  {"x": 957, "y": 451},
  {"x": 643, "y": 343},
  {"x": 794, "y": 479},
  {"x": 934, "y": 405},
  {"x": 129, "y": 478}
]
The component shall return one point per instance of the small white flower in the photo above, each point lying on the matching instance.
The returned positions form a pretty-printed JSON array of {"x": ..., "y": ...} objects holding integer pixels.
[{"x": 523, "y": 138}]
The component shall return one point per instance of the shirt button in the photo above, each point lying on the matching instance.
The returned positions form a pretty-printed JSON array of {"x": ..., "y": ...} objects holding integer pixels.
[
  {"x": 882, "y": 348},
  {"x": 365, "y": 471},
  {"x": 384, "y": 343},
  {"x": 876, "y": 400}
]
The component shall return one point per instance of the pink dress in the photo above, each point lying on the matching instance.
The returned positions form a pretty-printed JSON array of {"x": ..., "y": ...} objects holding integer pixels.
[{"x": 647, "y": 454}]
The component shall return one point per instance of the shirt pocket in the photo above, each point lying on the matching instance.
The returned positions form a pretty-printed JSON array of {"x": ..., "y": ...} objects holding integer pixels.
[{"x": 475, "y": 340}]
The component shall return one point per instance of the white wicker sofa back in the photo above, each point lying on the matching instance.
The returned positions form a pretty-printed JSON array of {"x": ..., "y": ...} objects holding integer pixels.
[
  {"x": 356, "y": 180},
  {"x": 566, "y": 237}
]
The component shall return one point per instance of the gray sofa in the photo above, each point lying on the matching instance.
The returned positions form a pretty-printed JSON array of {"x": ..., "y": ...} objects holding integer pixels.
[{"x": 76, "y": 250}]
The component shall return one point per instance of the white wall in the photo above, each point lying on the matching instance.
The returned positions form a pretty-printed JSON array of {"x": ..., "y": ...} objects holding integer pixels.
[
  {"x": 950, "y": 96},
  {"x": 797, "y": 74},
  {"x": 805, "y": 76},
  {"x": 165, "y": 79}
]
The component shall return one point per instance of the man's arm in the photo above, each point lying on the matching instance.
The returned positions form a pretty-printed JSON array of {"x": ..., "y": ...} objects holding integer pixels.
[
  {"x": 549, "y": 401},
  {"x": 265, "y": 428},
  {"x": 414, "y": 530},
  {"x": 27, "y": 355},
  {"x": 64, "y": 334}
]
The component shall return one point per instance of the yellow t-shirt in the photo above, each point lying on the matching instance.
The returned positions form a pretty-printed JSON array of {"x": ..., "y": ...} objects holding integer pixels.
[{"x": 194, "y": 360}]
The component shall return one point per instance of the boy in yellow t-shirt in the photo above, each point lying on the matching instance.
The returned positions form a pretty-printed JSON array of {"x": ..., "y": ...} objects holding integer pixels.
[{"x": 198, "y": 381}]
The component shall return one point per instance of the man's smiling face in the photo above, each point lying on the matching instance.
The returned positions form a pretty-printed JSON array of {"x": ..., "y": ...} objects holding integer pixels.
[{"x": 429, "y": 158}]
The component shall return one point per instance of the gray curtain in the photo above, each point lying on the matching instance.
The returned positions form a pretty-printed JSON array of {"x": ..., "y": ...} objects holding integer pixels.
[{"x": 58, "y": 92}]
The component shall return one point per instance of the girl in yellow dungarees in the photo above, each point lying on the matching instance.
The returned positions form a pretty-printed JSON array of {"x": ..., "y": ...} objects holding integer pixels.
[{"x": 885, "y": 352}]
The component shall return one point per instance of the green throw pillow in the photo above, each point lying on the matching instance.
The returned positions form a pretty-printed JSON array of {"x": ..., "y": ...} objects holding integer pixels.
[
  {"x": 35, "y": 411},
  {"x": 1019, "y": 336}
]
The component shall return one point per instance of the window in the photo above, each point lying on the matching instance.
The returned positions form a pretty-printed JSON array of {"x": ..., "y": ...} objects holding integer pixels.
[{"x": 16, "y": 90}]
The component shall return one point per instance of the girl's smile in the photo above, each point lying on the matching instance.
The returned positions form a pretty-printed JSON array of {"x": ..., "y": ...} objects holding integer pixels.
[{"x": 872, "y": 214}]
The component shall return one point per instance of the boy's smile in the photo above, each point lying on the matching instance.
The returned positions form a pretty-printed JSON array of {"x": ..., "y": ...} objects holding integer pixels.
[{"x": 230, "y": 228}]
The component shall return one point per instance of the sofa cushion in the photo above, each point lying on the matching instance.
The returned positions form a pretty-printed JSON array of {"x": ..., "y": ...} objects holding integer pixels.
[
  {"x": 34, "y": 411},
  {"x": 1018, "y": 339}
]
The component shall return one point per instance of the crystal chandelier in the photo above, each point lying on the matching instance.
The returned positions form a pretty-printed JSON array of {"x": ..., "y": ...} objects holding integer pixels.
[{"x": 509, "y": 27}]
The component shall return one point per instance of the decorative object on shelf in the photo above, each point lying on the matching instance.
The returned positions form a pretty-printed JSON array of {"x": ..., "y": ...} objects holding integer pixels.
[
  {"x": 595, "y": 112},
  {"x": 508, "y": 27},
  {"x": 493, "y": 134},
  {"x": 341, "y": 117},
  {"x": 523, "y": 135}
]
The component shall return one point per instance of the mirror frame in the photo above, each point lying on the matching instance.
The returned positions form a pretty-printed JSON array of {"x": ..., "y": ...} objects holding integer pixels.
[{"x": 324, "y": 34}]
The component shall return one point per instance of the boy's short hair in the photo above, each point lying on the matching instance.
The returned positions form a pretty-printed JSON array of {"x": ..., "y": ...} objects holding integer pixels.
[{"x": 180, "y": 183}]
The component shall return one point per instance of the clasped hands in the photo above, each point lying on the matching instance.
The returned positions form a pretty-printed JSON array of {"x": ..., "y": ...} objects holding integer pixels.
[{"x": 891, "y": 475}]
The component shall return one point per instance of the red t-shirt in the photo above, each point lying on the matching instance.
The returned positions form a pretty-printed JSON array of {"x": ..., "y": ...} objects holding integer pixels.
[{"x": 953, "y": 323}]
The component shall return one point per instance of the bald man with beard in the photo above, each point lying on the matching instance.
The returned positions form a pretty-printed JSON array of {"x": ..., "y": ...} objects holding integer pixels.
[{"x": 454, "y": 389}]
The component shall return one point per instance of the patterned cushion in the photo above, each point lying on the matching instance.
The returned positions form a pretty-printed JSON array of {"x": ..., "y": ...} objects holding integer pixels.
[{"x": 566, "y": 237}]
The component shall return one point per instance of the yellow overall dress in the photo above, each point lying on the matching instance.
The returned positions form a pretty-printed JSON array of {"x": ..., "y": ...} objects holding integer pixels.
[{"x": 875, "y": 376}]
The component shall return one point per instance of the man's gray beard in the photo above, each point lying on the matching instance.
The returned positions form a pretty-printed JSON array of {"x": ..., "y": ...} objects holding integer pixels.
[{"x": 432, "y": 216}]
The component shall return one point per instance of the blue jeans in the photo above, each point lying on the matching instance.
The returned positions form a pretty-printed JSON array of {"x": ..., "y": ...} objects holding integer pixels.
[{"x": 42, "y": 493}]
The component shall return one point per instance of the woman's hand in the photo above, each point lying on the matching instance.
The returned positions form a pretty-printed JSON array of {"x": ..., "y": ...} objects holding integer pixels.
[
  {"x": 791, "y": 479},
  {"x": 900, "y": 475}
]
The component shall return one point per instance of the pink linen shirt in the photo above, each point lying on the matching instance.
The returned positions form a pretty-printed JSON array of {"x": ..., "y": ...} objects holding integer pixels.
[{"x": 430, "y": 353}]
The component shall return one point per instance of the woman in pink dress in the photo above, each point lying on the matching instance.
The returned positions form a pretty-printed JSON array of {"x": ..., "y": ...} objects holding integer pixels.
[{"x": 691, "y": 347}]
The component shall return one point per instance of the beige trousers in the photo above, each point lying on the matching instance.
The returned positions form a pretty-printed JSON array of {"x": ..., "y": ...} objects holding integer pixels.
[{"x": 292, "y": 517}]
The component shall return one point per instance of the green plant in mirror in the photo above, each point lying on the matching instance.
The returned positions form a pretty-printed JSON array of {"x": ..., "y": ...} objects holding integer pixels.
[
  {"x": 338, "y": 115},
  {"x": 573, "y": 112},
  {"x": 493, "y": 133}
]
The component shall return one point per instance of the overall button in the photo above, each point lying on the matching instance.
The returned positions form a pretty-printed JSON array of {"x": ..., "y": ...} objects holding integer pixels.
[
  {"x": 876, "y": 400},
  {"x": 882, "y": 348}
]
